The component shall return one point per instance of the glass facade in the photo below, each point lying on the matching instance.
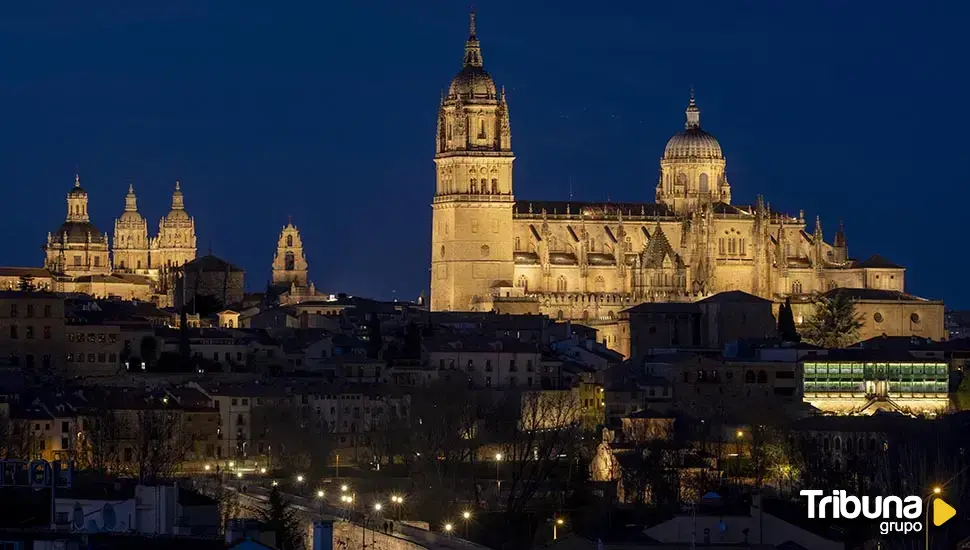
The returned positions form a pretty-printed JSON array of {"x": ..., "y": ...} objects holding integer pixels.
[{"x": 881, "y": 379}]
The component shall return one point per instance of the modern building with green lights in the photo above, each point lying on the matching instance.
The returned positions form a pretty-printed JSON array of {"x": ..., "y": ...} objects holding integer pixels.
[{"x": 864, "y": 381}]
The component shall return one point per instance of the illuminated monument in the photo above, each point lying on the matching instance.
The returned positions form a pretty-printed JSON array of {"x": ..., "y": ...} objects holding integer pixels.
[{"x": 589, "y": 261}]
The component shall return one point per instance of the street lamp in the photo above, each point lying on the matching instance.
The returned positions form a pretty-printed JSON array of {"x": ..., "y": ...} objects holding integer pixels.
[
  {"x": 320, "y": 495},
  {"x": 262, "y": 470},
  {"x": 555, "y": 527},
  {"x": 448, "y": 528},
  {"x": 399, "y": 501},
  {"x": 466, "y": 515},
  {"x": 498, "y": 480},
  {"x": 343, "y": 488},
  {"x": 299, "y": 479},
  {"x": 937, "y": 490},
  {"x": 740, "y": 434},
  {"x": 207, "y": 467}
]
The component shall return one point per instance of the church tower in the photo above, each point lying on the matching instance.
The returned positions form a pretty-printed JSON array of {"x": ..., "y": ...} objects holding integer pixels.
[
  {"x": 471, "y": 244},
  {"x": 130, "y": 245},
  {"x": 77, "y": 247},
  {"x": 289, "y": 264},
  {"x": 692, "y": 168},
  {"x": 175, "y": 243}
]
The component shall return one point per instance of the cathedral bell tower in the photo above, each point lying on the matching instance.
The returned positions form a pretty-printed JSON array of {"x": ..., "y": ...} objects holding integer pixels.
[
  {"x": 289, "y": 264},
  {"x": 471, "y": 244},
  {"x": 131, "y": 244}
]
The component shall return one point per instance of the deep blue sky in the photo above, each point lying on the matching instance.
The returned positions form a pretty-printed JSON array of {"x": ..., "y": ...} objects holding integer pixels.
[{"x": 326, "y": 111}]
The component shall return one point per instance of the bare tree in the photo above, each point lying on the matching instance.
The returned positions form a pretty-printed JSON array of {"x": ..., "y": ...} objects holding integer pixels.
[
  {"x": 99, "y": 442},
  {"x": 295, "y": 438},
  {"x": 161, "y": 444},
  {"x": 544, "y": 438}
]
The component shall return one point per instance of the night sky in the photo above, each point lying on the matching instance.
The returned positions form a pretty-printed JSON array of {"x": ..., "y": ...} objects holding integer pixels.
[{"x": 326, "y": 111}]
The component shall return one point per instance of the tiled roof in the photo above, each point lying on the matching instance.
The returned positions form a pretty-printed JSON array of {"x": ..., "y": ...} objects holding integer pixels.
[{"x": 878, "y": 262}]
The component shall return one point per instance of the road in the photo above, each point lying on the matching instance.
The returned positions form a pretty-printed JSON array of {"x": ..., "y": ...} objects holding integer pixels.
[{"x": 315, "y": 508}]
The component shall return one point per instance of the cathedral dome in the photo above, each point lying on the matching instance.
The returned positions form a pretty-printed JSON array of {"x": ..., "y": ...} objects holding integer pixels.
[
  {"x": 472, "y": 82},
  {"x": 177, "y": 215},
  {"x": 77, "y": 232},
  {"x": 692, "y": 142},
  {"x": 130, "y": 216}
]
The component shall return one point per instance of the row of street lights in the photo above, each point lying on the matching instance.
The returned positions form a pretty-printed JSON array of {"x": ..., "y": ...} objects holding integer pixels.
[{"x": 466, "y": 516}]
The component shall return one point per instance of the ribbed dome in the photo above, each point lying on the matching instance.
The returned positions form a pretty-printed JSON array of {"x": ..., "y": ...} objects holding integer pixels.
[
  {"x": 692, "y": 142},
  {"x": 472, "y": 82},
  {"x": 77, "y": 232}
]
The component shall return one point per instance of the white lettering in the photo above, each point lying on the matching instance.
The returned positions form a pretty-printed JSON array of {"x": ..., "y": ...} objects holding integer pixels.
[
  {"x": 914, "y": 507},
  {"x": 811, "y": 494},
  {"x": 876, "y": 511},
  {"x": 887, "y": 510},
  {"x": 850, "y": 506}
]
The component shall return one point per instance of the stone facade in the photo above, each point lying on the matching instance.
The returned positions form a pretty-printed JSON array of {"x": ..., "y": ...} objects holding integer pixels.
[
  {"x": 131, "y": 243},
  {"x": 77, "y": 247},
  {"x": 887, "y": 313},
  {"x": 589, "y": 261},
  {"x": 209, "y": 276},
  {"x": 291, "y": 283}
]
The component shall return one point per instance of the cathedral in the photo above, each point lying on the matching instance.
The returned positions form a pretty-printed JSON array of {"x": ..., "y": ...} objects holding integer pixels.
[
  {"x": 143, "y": 267},
  {"x": 589, "y": 261}
]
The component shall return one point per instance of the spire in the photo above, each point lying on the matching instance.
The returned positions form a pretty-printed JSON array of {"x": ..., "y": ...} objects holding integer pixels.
[
  {"x": 178, "y": 201},
  {"x": 473, "y": 50},
  {"x": 840, "y": 235},
  {"x": 131, "y": 204},
  {"x": 818, "y": 229},
  {"x": 77, "y": 180},
  {"x": 693, "y": 113}
]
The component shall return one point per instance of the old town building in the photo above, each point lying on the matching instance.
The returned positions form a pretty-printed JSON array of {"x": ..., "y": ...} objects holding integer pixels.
[{"x": 589, "y": 261}]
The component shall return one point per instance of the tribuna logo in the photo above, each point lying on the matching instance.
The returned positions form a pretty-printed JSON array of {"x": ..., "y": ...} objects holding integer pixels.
[{"x": 899, "y": 515}]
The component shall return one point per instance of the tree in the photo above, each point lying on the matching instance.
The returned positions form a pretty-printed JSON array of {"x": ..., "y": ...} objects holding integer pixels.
[
  {"x": 148, "y": 347},
  {"x": 26, "y": 283},
  {"x": 375, "y": 342},
  {"x": 297, "y": 439},
  {"x": 99, "y": 443},
  {"x": 281, "y": 519},
  {"x": 835, "y": 323},
  {"x": 786, "y": 323},
  {"x": 161, "y": 444}
]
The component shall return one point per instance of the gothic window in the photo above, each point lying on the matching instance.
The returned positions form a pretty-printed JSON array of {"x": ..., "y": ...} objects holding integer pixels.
[
  {"x": 796, "y": 287},
  {"x": 561, "y": 284},
  {"x": 585, "y": 316},
  {"x": 485, "y": 251},
  {"x": 121, "y": 264},
  {"x": 705, "y": 186},
  {"x": 720, "y": 246},
  {"x": 523, "y": 283},
  {"x": 97, "y": 261},
  {"x": 290, "y": 262},
  {"x": 494, "y": 186},
  {"x": 742, "y": 250},
  {"x": 559, "y": 315},
  {"x": 831, "y": 285},
  {"x": 518, "y": 243},
  {"x": 592, "y": 244},
  {"x": 474, "y": 185},
  {"x": 139, "y": 264},
  {"x": 442, "y": 251},
  {"x": 732, "y": 246},
  {"x": 481, "y": 129},
  {"x": 611, "y": 316},
  {"x": 599, "y": 285},
  {"x": 289, "y": 240}
]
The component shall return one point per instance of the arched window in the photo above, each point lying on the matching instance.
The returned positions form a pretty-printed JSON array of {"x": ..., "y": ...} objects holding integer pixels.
[
  {"x": 518, "y": 243},
  {"x": 611, "y": 316},
  {"x": 523, "y": 283},
  {"x": 585, "y": 316},
  {"x": 474, "y": 185},
  {"x": 796, "y": 287},
  {"x": 705, "y": 186},
  {"x": 494, "y": 186},
  {"x": 290, "y": 262},
  {"x": 837, "y": 443},
  {"x": 600, "y": 284},
  {"x": 762, "y": 377},
  {"x": 561, "y": 284},
  {"x": 832, "y": 285},
  {"x": 229, "y": 323},
  {"x": 559, "y": 315},
  {"x": 720, "y": 246},
  {"x": 289, "y": 240},
  {"x": 682, "y": 179},
  {"x": 485, "y": 251},
  {"x": 749, "y": 377}
]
